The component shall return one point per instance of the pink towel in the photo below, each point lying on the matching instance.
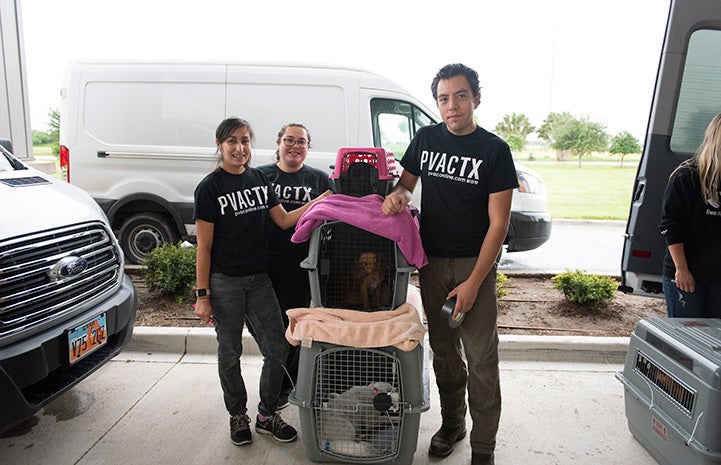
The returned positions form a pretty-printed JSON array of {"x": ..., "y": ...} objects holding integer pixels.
[
  {"x": 402, "y": 327},
  {"x": 365, "y": 213}
]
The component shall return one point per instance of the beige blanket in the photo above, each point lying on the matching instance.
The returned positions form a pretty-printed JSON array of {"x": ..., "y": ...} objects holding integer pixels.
[{"x": 402, "y": 327}]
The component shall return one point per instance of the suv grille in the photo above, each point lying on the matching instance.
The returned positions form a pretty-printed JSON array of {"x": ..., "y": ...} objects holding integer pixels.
[{"x": 31, "y": 294}]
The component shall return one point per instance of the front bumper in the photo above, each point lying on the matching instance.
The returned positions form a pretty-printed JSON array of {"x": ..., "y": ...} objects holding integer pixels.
[
  {"x": 527, "y": 231},
  {"x": 36, "y": 370}
]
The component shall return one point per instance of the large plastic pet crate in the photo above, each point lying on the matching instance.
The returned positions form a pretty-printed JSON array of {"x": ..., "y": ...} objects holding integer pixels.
[
  {"x": 355, "y": 269},
  {"x": 361, "y": 405},
  {"x": 672, "y": 380},
  {"x": 364, "y": 171}
]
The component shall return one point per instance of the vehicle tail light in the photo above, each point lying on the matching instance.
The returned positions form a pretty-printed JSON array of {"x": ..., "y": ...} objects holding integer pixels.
[
  {"x": 641, "y": 253},
  {"x": 65, "y": 163}
]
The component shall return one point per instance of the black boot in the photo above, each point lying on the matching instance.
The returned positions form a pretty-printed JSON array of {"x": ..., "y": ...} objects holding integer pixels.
[{"x": 445, "y": 438}]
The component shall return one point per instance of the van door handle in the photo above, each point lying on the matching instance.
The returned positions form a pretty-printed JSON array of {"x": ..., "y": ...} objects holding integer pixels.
[
  {"x": 639, "y": 191},
  {"x": 102, "y": 154}
]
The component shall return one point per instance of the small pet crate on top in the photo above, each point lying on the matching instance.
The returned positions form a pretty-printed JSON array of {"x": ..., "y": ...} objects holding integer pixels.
[
  {"x": 355, "y": 269},
  {"x": 364, "y": 171},
  {"x": 672, "y": 380}
]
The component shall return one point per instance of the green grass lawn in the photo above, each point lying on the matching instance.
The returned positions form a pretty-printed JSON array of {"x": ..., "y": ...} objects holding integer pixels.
[
  {"x": 42, "y": 150},
  {"x": 594, "y": 191}
]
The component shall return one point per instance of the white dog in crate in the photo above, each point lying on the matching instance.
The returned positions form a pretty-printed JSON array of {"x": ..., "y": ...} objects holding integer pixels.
[{"x": 348, "y": 417}]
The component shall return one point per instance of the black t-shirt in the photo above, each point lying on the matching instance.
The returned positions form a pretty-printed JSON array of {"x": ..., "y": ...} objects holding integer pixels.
[
  {"x": 293, "y": 190},
  {"x": 458, "y": 173},
  {"x": 237, "y": 205}
]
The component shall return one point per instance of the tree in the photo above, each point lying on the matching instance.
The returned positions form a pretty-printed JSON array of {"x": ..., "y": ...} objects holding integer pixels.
[
  {"x": 624, "y": 143},
  {"x": 54, "y": 132},
  {"x": 581, "y": 137},
  {"x": 515, "y": 128},
  {"x": 551, "y": 126},
  {"x": 41, "y": 137},
  {"x": 552, "y": 123}
]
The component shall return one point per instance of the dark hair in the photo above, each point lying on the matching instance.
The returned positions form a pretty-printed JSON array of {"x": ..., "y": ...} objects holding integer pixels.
[
  {"x": 276, "y": 157},
  {"x": 228, "y": 126},
  {"x": 453, "y": 70}
]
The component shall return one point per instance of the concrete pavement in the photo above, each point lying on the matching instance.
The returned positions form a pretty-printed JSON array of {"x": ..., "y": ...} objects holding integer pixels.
[{"x": 159, "y": 402}]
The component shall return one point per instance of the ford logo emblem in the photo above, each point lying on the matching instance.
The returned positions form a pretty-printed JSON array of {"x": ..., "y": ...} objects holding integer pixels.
[{"x": 68, "y": 267}]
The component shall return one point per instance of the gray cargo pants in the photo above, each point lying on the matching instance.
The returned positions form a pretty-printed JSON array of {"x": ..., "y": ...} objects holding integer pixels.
[{"x": 476, "y": 338}]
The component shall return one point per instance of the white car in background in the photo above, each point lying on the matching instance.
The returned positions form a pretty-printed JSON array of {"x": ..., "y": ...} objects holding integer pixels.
[{"x": 530, "y": 221}]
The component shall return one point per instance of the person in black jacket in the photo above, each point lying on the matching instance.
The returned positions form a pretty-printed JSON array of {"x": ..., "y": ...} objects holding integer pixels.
[{"x": 691, "y": 224}]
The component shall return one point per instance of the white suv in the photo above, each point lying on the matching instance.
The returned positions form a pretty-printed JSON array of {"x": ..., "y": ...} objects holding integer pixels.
[{"x": 66, "y": 305}]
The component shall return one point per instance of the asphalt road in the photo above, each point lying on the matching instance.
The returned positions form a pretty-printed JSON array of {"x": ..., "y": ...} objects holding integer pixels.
[{"x": 592, "y": 246}]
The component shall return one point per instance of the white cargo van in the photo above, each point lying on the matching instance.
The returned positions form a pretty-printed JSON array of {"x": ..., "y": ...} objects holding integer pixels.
[{"x": 138, "y": 136}]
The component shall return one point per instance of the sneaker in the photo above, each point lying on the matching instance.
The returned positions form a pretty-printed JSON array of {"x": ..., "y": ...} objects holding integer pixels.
[
  {"x": 240, "y": 430},
  {"x": 276, "y": 427}
]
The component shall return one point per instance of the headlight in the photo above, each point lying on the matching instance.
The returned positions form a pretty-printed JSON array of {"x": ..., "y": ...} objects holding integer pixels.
[{"x": 529, "y": 184}]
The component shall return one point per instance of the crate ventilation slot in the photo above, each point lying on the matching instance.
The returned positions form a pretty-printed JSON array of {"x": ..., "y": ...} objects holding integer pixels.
[{"x": 681, "y": 395}]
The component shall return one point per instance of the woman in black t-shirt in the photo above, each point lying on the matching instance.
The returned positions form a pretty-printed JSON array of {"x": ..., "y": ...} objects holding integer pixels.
[
  {"x": 232, "y": 207},
  {"x": 295, "y": 184}
]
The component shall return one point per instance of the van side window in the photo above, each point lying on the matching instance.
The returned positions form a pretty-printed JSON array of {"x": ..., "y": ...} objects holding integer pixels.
[
  {"x": 699, "y": 97},
  {"x": 119, "y": 113},
  {"x": 395, "y": 123}
]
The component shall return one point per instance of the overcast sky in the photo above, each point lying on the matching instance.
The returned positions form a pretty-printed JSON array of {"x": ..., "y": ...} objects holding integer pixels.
[{"x": 594, "y": 59}]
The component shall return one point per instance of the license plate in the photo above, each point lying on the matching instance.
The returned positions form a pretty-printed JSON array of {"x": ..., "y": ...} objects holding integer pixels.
[{"x": 87, "y": 338}]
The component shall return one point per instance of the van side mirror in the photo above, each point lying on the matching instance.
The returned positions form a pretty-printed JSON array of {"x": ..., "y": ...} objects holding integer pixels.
[{"x": 7, "y": 145}]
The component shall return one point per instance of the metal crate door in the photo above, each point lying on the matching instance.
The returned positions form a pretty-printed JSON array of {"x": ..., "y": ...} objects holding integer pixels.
[
  {"x": 357, "y": 268},
  {"x": 358, "y": 404}
]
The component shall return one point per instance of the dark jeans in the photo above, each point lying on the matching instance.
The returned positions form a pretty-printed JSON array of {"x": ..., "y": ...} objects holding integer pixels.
[
  {"x": 705, "y": 302},
  {"x": 235, "y": 299},
  {"x": 292, "y": 288}
]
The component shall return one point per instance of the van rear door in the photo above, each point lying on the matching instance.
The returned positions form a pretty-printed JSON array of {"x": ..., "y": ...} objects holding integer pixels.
[{"x": 686, "y": 97}]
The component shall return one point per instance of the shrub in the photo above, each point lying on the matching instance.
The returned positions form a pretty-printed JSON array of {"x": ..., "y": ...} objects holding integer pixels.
[
  {"x": 171, "y": 269},
  {"x": 585, "y": 289},
  {"x": 502, "y": 281}
]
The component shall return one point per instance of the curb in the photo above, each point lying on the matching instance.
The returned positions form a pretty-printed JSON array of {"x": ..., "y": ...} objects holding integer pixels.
[{"x": 176, "y": 343}]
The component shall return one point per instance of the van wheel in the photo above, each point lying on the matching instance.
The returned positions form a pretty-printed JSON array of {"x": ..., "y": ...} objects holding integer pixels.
[{"x": 142, "y": 233}]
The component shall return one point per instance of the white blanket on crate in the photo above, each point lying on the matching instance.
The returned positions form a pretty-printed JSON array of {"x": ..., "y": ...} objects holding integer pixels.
[{"x": 402, "y": 327}]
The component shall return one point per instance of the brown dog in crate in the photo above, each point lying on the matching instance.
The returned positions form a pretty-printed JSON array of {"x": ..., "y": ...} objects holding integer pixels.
[{"x": 365, "y": 289}]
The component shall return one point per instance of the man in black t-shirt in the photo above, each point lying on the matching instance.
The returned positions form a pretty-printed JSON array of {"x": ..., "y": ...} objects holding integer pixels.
[{"x": 468, "y": 179}]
